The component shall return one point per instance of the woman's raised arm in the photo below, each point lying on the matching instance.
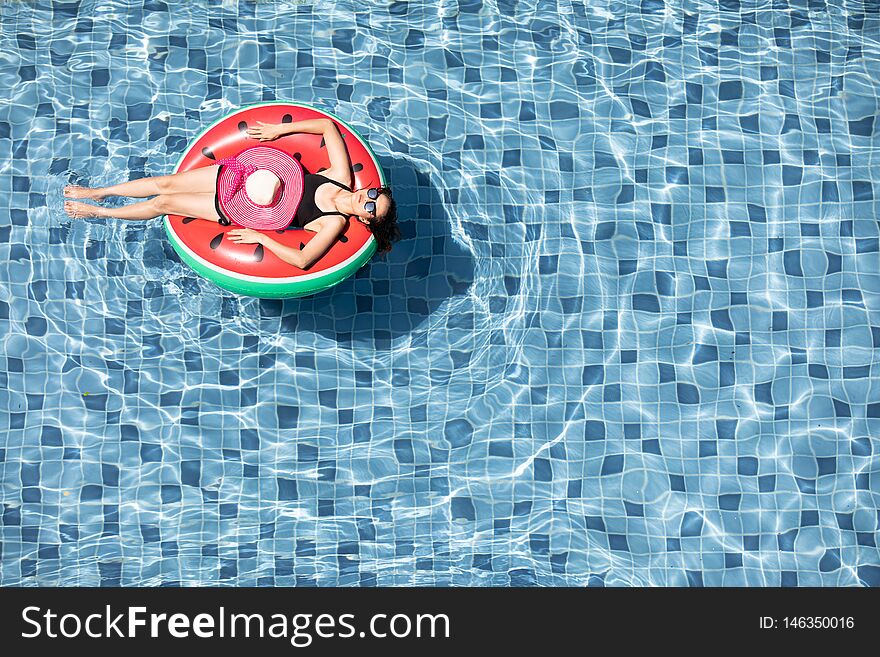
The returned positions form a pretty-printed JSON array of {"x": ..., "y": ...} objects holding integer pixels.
[
  {"x": 340, "y": 164},
  {"x": 269, "y": 131}
]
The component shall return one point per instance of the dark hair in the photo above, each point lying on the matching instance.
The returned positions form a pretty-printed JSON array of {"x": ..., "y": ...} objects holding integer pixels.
[{"x": 386, "y": 231}]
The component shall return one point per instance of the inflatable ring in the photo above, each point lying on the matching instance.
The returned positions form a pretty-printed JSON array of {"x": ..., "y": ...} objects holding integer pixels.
[{"x": 251, "y": 269}]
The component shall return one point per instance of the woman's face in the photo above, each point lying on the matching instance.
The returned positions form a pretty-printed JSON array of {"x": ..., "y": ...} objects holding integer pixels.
[{"x": 383, "y": 203}]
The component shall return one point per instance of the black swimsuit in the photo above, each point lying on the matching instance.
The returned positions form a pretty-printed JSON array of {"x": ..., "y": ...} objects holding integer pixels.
[
  {"x": 307, "y": 211},
  {"x": 224, "y": 220}
]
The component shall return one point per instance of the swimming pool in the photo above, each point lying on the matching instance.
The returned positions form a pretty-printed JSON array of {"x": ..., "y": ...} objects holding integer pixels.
[{"x": 627, "y": 339}]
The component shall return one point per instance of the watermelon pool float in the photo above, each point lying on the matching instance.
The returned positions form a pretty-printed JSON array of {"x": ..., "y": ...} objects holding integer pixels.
[{"x": 251, "y": 269}]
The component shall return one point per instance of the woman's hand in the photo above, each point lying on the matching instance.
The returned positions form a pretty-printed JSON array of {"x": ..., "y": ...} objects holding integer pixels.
[
  {"x": 245, "y": 236},
  {"x": 266, "y": 131}
]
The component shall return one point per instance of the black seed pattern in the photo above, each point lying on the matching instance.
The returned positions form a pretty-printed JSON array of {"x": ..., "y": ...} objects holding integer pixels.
[
  {"x": 208, "y": 153},
  {"x": 301, "y": 246},
  {"x": 216, "y": 241},
  {"x": 322, "y": 142},
  {"x": 287, "y": 118},
  {"x": 298, "y": 156},
  {"x": 357, "y": 167},
  {"x": 279, "y": 231},
  {"x": 242, "y": 126},
  {"x": 343, "y": 239},
  {"x": 187, "y": 220},
  {"x": 258, "y": 253}
]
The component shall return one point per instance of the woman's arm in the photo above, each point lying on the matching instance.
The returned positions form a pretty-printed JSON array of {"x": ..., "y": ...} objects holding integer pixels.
[
  {"x": 270, "y": 131},
  {"x": 340, "y": 164},
  {"x": 331, "y": 228}
]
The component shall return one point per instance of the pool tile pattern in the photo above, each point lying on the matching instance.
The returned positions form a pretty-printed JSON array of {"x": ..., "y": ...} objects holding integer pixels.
[{"x": 627, "y": 339}]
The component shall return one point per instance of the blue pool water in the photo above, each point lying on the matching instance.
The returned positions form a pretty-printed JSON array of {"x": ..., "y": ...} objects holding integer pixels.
[{"x": 628, "y": 337}]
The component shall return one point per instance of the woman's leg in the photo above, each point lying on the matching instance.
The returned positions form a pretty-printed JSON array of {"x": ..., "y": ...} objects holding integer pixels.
[
  {"x": 196, "y": 181},
  {"x": 188, "y": 205}
]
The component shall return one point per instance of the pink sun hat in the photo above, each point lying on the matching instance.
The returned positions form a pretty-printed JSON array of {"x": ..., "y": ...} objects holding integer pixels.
[{"x": 260, "y": 188}]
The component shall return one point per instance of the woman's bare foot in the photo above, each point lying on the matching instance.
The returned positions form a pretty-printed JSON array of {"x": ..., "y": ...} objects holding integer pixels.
[
  {"x": 79, "y": 210},
  {"x": 78, "y": 191}
]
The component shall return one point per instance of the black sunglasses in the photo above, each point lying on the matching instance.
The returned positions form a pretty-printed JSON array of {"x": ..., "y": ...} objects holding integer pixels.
[{"x": 373, "y": 193}]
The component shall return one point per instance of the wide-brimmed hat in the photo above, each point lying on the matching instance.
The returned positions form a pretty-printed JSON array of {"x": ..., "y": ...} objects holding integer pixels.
[{"x": 260, "y": 188}]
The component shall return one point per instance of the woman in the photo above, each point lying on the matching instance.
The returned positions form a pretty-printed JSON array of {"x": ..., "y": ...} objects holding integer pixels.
[{"x": 326, "y": 205}]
